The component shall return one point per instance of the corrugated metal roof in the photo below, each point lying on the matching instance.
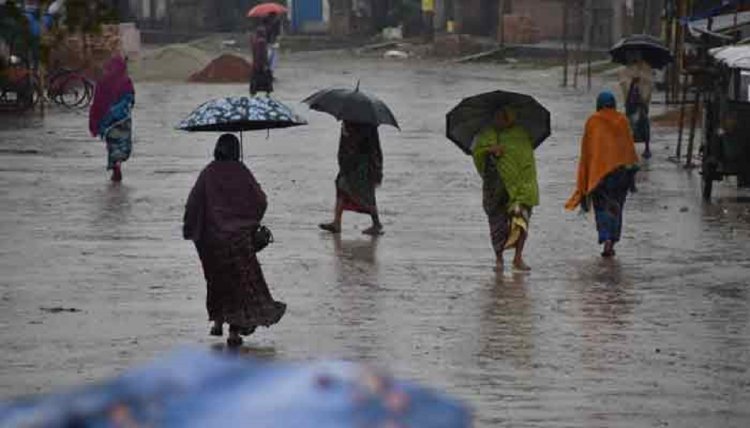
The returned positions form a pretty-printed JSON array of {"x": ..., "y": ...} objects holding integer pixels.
[
  {"x": 737, "y": 56},
  {"x": 722, "y": 22}
]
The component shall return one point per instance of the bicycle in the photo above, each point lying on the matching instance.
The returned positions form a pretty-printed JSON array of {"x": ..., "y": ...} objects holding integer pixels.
[{"x": 65, "y": 87}]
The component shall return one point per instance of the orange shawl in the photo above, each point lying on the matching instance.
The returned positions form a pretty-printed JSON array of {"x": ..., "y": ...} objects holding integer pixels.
[{"x": 607, "y": 145}]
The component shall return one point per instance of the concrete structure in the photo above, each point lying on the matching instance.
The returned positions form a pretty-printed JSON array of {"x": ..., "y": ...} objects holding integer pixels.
[
  {"x": 309, "y": 16},
  {"x": 609, "y": 20}
]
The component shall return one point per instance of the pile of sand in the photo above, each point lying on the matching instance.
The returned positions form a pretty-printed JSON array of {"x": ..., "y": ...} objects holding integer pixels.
[
  {"x": 227, "y": 68},
  {"x": 172, "y": 62}
]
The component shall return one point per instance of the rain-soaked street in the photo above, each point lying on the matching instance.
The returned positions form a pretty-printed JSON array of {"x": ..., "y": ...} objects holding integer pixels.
[{"x": 658, "y": 337}]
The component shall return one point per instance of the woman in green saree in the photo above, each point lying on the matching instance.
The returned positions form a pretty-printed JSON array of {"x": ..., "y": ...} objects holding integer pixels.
[{"x": 504, "y": 157}]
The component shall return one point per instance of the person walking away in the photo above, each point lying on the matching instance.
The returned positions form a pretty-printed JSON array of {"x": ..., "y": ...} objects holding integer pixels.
[
  {"x": 504, "y": 157},
  {"x": 272, "y": 23},
  {"x": 261, "y": 79},
  {"x": 360, "y": 161},
  {"x": 224, "y": 208},
  {"x": 110, "y": 114},
  {"x": 606, "y": 170},
  {"x": 636, "y": 84}
]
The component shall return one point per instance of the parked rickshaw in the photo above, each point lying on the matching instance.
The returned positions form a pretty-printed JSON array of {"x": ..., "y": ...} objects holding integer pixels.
[{"x": 726, "y": 143}]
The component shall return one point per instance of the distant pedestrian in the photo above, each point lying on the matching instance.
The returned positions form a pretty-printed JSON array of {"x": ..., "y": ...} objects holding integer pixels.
[
  {"x": 273, "y": 23},
  {"x": 636, "y": 84},
  {"x": 606, "y": 170},
  {"x": 110, "y": 115},
  {"x": 360, "y": 172},
  {"x": 261, "y": 79},
  {"x": 223, "y": 210},
  {"x": 504, "y": 157}
]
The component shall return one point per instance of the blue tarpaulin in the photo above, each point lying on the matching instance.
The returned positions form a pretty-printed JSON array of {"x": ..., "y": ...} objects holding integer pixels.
[{"x": 206, "y": 389}]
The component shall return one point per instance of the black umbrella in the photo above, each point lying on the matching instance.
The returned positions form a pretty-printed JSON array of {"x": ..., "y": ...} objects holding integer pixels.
[
  {"x": 352, "y": 106},
  {"x": 652, "y": 50},
  {"x": 474, "y": 113}
]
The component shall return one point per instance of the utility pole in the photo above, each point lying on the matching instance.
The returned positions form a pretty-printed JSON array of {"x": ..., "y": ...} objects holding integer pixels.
[
  {"x": 566, "y": 16},
  {"x": 576, "y": 69},
  {"x": 588, "y": 28},
  {"x": 501, "y": 23}
]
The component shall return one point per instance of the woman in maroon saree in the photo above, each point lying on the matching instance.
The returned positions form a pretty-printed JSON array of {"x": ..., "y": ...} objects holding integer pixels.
[
  {"x": 261, "y": 79},
  {"x": 223, "y": 209}
]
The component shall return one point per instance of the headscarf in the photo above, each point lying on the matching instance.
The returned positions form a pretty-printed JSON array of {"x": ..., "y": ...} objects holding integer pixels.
[
  {"x": 226, "y": 199},
  {"x": 227, "y": 148},
  {"x": 606, "y": 99},
  {"x": 113, "y": 84}
]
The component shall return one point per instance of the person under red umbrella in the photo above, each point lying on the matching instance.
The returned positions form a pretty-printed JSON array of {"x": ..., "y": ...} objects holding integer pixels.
[
  {"x": 265, "y": 9},
  {"x": 261, "y": 79}
]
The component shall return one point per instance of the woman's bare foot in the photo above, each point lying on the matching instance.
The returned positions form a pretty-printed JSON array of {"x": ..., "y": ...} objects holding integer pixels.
[
  {"x": 234, "y": 340},
  {"x": 330, "y": 227},
  {"x": 374, "y": 230},
  {"x": 116, "y": 173},
  {"x": 520, "y": 266},
  {"x": 217, "y": 329},
  {"x": 499, "y": 265},
  {"x": 609, "y": 249}
]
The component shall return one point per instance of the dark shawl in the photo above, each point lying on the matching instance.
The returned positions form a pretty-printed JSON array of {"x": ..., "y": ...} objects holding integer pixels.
[
  {"x": 362, "y": 144},
  {"x": 225, "y": 200}
]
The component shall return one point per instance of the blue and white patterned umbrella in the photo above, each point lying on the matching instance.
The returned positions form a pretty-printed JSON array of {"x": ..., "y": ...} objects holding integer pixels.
[{"x": 237, "y": 114}]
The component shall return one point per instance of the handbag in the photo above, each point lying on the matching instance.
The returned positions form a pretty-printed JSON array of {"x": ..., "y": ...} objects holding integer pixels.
[{"x": 261, "y": 237}]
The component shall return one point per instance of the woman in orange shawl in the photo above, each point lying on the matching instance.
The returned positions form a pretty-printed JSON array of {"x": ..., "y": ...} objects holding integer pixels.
[{"x": 606, "y": 170}]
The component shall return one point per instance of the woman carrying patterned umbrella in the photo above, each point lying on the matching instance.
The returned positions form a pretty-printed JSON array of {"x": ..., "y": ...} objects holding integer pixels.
[
  {"x": 224, "y": 208},
  {"x": 110, "y": 114}
]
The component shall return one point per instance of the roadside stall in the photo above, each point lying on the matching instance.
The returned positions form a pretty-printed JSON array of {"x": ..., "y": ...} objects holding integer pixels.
[{"x": 726, "y": 146}]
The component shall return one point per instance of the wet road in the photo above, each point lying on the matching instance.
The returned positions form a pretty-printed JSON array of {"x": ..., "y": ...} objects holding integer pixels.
[{"x": 658, "y": 337}]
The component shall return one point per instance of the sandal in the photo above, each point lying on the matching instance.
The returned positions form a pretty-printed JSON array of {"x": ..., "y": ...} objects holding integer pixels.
[
  {"x": 217, "y": 330},
  {"x": 234, "y": 341},
  {"x": 329, "y": 227}
]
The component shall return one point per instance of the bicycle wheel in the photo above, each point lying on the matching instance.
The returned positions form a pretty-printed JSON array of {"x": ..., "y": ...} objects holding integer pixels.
[
  {"x": 72, "y": 90},
  {"x": 89, "y": 95},
  {"x": 31, "y": 94}
]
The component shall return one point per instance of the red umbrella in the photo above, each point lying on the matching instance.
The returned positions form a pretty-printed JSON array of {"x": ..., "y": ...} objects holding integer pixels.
[{"x": 264, "y": 9}]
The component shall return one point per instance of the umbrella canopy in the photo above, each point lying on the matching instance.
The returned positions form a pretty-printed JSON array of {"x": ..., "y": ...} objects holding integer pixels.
[
  {"x": 474, "y": 113},
  {"x": 264, "y": 9},
  {"x": 651, "y": 49},
  {"x": 203, "y": 389},
  {"x": 237, "y": 114},
  {"x": 352, "y": 106}
]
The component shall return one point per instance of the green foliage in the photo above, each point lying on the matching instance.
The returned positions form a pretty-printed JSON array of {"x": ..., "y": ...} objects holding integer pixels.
[{"x": 87, "y": 16}]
